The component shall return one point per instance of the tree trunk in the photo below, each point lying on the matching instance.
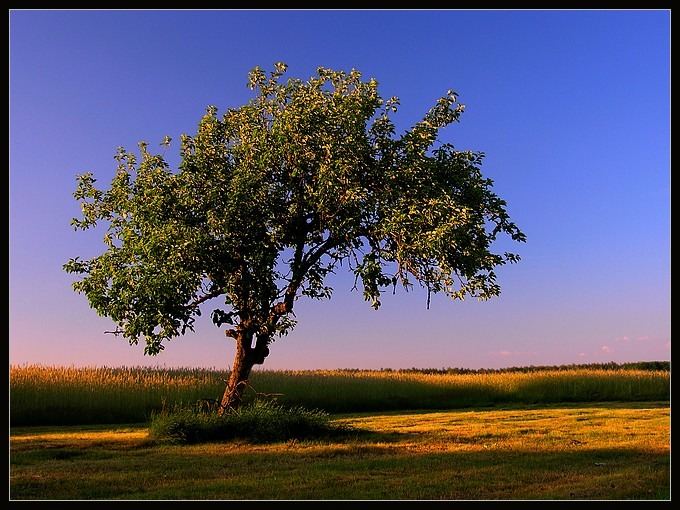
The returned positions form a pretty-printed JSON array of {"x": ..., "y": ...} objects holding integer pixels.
[{"x": 245, "y": 358}]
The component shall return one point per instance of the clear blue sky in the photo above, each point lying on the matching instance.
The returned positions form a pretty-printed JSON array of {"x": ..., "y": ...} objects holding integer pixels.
[{"x": 571, "y": 108}]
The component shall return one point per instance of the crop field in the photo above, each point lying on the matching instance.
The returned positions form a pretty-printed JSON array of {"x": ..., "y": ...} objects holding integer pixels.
[{"x": 562, "y": 433}]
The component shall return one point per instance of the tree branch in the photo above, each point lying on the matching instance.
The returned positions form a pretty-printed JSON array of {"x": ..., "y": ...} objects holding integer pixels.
[
  {"x": 205, "y": 297},
  {"x": 299, "y": 272}
]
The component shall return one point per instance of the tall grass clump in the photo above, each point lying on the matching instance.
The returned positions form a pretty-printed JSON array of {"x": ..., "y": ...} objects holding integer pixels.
[{"x": 260, "y": 421}]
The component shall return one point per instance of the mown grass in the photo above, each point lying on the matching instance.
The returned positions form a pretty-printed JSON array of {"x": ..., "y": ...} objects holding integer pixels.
[
  {"x": 44, "y": 395},
  {"x": 591, "y": 451}
]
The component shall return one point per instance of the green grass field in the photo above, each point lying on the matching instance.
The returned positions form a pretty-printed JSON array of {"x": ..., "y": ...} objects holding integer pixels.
[
  {"x": 549, "y": 452},
  {"x": 569, "y": 433}
]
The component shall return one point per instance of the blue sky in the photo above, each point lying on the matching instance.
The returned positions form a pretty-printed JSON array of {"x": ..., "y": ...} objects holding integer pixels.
[{"x": 570, "y": 107}]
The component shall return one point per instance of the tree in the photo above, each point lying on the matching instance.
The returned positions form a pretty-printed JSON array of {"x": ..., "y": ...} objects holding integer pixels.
[{"x": 272, "y": 197}]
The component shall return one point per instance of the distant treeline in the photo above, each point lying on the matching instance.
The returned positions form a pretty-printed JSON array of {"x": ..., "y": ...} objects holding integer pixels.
[{"x": 638, "y": 365}]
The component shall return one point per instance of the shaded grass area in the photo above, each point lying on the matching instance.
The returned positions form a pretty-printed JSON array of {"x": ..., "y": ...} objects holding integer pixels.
[
  {"x": 358, "y": 473},
  {"x": 560, "y": 452}
]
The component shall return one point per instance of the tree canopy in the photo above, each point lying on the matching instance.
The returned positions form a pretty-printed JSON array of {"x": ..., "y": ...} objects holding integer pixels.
[{"x": 273, "y": 196}]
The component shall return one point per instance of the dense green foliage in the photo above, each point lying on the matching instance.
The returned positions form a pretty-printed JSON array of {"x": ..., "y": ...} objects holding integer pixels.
[
  {"x": 273, "y": 196},
  {"x": 56, "y": 395}
]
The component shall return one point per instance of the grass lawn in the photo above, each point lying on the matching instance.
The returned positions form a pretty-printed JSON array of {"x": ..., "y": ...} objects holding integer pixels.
[{"x": 595, "y": 451}]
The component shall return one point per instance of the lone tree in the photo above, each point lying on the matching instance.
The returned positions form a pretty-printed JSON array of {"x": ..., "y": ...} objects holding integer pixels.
[{"x": 273, "y": 196}]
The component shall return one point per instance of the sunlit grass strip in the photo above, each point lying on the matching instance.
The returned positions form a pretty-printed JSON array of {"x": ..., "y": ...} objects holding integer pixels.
[
  {"x": 349, "y": 391},
  {"x": 67, "y": 395}
]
